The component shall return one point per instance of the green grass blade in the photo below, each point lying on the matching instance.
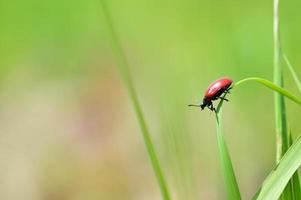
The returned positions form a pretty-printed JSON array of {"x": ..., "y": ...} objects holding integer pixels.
[
  {"x": 256, "y": 194},
  {"x": 293, "y": 72},
  {"x": 272, "y": 86},
  {"x": 293, "y": 184},
  {"x": 282, "y": 143},
  {"x": 292, "y": 191},
  {"x": 226, "y": 164},
  {"x": 124, "y": 71},
  {"x": 295, "y": 181},
  {"x": 275, "y": 183},
  {"x": 280, "y": 110}
]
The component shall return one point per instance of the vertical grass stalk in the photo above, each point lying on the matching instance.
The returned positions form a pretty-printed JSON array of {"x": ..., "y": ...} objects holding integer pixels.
[
  {"x": 127, "y": 80},
  {"x": 282, "y": 140},
  {"x": 280, "y": 110}
]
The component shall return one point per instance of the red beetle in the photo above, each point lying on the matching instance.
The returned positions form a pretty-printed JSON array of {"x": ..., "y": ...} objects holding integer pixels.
[{"x": 214, "y": 92}]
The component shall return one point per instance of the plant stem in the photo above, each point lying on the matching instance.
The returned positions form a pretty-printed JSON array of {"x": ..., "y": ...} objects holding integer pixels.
[
  {"x": 271, "y": 86},
  {"x": 293, "y": 72},
  {"x": 127, "y": 80},
  {"x": 280, "y": 109},
  {"x": 282, "y": 142},
  {"x": 230, "y": 181}
]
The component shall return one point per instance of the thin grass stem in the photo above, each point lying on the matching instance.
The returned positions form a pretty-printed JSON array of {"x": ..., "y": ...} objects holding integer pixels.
[
  {"x": 282, "y": 139},
  {"x": 230, "y": 181},
  {"x": 123, "y": 68},
  {"x": 293, "y": 72},
  {"x": 280, "y": 109},
  {"x": 272, "y": 86}
]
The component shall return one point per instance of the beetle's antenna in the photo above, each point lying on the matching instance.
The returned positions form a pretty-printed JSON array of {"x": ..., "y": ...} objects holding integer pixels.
[{"x": 194, "y": 105}]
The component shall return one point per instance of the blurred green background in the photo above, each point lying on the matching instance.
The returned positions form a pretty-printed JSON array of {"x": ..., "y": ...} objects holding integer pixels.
[{"x": 67, "y": 128}]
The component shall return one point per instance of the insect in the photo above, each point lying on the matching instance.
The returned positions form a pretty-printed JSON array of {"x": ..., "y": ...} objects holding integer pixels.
[{"x": 214, "y": 92}]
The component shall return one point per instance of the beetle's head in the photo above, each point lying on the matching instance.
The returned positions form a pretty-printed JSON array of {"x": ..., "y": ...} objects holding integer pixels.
[{"x": 206, "y": 102}]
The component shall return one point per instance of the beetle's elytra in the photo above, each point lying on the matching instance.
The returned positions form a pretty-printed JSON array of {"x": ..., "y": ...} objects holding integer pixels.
[{"x": 214, "y": 92}]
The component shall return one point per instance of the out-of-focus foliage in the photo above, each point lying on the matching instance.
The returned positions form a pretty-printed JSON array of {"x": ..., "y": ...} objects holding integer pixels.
[{"x": 67, "y": 130}]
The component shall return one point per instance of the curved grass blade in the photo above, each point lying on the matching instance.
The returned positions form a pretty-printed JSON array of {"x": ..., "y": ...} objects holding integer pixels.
[
  {"x": 292, "y": 189},
  {"x": 226, "y": 164},
  {"x": 294, "y": 185},
  {"x": 127, "y": 80},
  {"x": 272, "y": 86},
  {"x": 275, "y": 183},
  {"x": 293, "y": 72},
  {"x": 282, "y": 136},
  {"x": 295, "y": 181}
]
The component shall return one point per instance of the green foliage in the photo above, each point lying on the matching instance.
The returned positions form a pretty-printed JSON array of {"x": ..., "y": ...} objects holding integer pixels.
[
  {"x": 279, "y": 178},
  {"x": 124, "y": 71},
  {"x": 225, "y": 160},
  {"x": 293, "y": 72},
  {"x": 295, "y": 182},
  {"x": 282, "y": 138},
  {"x": 272, "y": 86},
  {"x": 274, "y": 184}
]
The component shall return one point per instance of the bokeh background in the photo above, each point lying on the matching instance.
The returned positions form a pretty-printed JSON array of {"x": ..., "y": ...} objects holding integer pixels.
[{"x": 67, "y": 128}]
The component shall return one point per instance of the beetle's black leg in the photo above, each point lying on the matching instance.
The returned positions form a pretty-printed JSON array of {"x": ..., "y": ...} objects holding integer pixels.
[
  {"x": 223, "y": 98},
  {"x": 211, "y": 107},
  {"x": 228, "y": 89}
]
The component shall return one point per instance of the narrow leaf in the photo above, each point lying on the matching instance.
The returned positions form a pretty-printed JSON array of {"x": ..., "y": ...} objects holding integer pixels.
[
  {"x": 275, "y": 183},
  {"x": 295, "y": 182},
  {"x": 226, "y": 164},
  {"x": 123, "y": 68},
  {"x": 280, "y": 108},
  {"x": 293, "y": 72},
  {"x": 272, "y": 86}
]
